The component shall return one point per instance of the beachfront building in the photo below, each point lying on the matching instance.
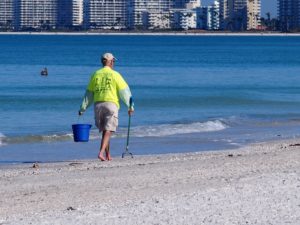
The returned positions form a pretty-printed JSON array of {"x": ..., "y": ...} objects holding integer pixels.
[
  {"x": 240, "y": 15},
  {"x": 77, "y": 13},
  {"x": 36, "y": 14},
  {"x": 226, "y": 9},
  {"x": 149, "y": 14},
  {"x": 105, "y": 14},
  {"x": 187, "y": 4},
  {"x": 253, "y": 14},
  {"x": 6, "y": 14},
  {"x": 155, "y": 20},
  {"x": 202, "y": 17},
  {"x": 70, "y": 14},
  {"x": 192, "y": 4},
  {"x": 64, "y": 13},
  {"x": 236, "y": 15},
  {"x": 215, "y": 16},
  {"x": 185, "y": 19},
  {"x": 289, "y": 15},
  {"x": 208, "y": 17},
  {"x": 184, "y": 14}
]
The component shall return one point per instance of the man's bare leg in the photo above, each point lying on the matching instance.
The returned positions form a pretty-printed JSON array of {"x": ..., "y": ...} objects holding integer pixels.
[
  {"x": 107, "y": 153},
  {"x": 104, "y": 143}
]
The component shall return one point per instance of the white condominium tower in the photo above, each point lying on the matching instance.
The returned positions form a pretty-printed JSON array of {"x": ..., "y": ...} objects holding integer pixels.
[
  {"x": 36, "y": 14},
  {"x": 144, "y": 14},
  {"x": 214, "y": 20},
  {"x": 6, "y": 14},
  {"x": 77, "y": 14},
  {"x": 253, "y": 14},
  {"x": 105, "y": 14}
]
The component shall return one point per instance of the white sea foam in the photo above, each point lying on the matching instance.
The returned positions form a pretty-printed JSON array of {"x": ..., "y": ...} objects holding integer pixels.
[
  {"x": 167, "y": 129},
  {"x": 172, "y": 129},
  {"x": 35, "y": 138},
  {"x": 139, "y": 131},
  {"x": 1, "y": 139}
]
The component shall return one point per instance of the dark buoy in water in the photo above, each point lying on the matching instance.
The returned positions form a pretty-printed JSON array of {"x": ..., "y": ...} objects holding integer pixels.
[{"x": 44, "y": 72}]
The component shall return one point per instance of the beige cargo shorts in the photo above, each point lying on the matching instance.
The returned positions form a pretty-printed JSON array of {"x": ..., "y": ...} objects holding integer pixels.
[{"x": 106, "y": 116}]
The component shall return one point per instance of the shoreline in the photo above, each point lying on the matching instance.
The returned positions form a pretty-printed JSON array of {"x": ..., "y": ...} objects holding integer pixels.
[
  {"x": 153, "y": 33},
  {"x": 258, "y": 183},
  {"x": 46, "y": 151},
  {"x": 65, "y": 151}
]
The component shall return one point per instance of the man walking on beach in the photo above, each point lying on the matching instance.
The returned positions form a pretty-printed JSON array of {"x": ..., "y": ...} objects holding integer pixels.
[{"x": 104, "y": 89}]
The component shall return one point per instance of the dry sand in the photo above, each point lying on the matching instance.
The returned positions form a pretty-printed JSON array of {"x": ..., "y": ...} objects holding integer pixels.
[{"x": 258, "y": 184}]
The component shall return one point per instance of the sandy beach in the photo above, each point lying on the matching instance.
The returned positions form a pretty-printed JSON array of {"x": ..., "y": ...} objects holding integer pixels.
[{"x": 257, "y": 184}]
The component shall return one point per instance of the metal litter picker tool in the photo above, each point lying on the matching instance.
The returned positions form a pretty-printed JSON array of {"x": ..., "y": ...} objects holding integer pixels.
[{"x": 126, "y": 152}]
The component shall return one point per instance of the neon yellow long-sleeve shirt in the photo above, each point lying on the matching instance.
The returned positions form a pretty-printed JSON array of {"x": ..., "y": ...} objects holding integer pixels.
[{"x": 106, "y": 85}]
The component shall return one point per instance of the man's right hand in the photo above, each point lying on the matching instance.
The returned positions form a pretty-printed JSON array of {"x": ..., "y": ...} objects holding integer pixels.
[{"x": 130, "y": 112}]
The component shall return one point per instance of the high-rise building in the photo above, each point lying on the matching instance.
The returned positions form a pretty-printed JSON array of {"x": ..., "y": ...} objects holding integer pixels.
[
  {"x": 187, "y": 4},
  {"x": 36, "y": 14},
  {"x": 157, "y": 20},
  {"x": 64, "y": 13},
  {"x": 192, "y": 4},
  {"x": 185, "y": 19},
  {"x": 77, "y": 13},
  {"x": 215, "y": 16},
  {"x": 289, "y": 14},
  {"x": 239, "y": 14},
  {"x": 253, "y": 14},
  {"x": 7, "y": 14},
  {"x": 105, "y": 14},
  {"x": 143, "y": 14},
  {"x": 208, "y": 17},
  {"x": 70, "y": 13},
  {"x": 224, "y": 10}
]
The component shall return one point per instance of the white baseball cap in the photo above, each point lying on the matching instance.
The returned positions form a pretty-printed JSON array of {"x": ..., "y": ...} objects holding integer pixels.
[{"x": 108, "y": 56}]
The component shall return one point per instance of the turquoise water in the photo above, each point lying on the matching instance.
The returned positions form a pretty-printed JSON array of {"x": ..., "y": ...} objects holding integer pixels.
[{"x": 191, "y": 92}]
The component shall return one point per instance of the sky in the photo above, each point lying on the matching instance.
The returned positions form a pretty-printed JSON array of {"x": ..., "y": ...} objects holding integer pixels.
[{"x": 266, "y": 6}]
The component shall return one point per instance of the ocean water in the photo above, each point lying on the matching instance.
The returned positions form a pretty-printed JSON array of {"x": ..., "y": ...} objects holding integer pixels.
[{"x": 192, "y": 93}]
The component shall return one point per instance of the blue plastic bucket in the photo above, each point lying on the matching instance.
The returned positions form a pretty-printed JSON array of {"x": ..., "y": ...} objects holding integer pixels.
[{"x": 81, "y": 132}]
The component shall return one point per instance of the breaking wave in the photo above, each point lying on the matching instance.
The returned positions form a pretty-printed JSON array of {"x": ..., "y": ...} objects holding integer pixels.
[
  {"x": 138, "y": 131},
  {"x": 1, "y": 138},
  {"x": 35, "y": 138},
  {"x": 173, "y": 129}
]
